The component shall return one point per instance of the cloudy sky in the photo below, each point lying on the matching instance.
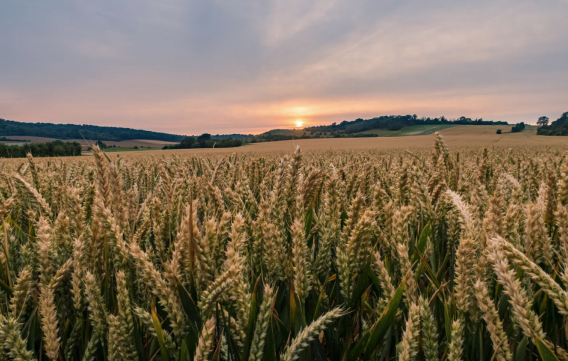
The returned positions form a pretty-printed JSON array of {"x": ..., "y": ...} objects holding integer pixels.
[{"x": 191, "y": 66}]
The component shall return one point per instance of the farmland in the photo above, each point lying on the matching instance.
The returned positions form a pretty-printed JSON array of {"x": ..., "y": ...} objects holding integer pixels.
[
  {"x": 413, "y": 137},
  {"x": 146, "y": 143},
  {"x": 409, "y": 131},
  {"x": 459, "y": 136},
  {"x": 448, "y": 246}
]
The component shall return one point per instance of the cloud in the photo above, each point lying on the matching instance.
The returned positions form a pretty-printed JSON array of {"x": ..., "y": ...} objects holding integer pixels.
[{"x": 217, "y": 66}]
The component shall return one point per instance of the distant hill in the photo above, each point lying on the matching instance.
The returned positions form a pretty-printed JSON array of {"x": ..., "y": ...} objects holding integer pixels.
[
  {"x": 74, "y": 131},
  {"x": 395, "y": 123},
  {"x": 558, "y": 127},
  {"x": 383, "y": 126}
]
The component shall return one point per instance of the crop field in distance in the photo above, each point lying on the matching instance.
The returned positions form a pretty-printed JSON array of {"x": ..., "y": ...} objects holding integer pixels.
[
  {"x": 448, "y": 246},
  {"x": 128, "y": 144},
  {"x": 458, "y": 136}
]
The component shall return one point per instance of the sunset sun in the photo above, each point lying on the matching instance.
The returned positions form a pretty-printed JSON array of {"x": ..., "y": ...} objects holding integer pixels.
[{"x": 299, "y": 123}]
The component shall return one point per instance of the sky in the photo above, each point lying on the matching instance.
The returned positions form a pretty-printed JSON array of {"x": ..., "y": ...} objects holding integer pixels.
[{"x": 247, "y": 66}]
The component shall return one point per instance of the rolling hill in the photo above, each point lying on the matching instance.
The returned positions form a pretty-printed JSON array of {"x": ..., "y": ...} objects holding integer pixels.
[
  {"x": 75, "y": 131},
  {"x": 383, "y": 126}
]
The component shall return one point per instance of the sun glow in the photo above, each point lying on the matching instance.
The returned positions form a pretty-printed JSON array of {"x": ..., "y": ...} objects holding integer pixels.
[{"x": 299, "y": 123}]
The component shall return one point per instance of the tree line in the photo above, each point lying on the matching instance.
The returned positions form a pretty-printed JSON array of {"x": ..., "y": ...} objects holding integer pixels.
[
  {"x": 52, "y": 149},
  {"x": 206, "y": 141}
]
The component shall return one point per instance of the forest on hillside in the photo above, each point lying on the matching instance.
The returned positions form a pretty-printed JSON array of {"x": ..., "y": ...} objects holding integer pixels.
[{"x": 75, "y": 131}]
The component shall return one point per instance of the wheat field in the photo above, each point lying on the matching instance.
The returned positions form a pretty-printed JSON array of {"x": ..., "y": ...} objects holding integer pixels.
[
  {"x": 376, "y": 254},
  {"x": 460, "y": 136}
]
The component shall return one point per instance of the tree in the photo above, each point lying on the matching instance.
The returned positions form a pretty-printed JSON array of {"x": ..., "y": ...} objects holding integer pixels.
[
  {"x": 187, "y": 142},
  {"x": 204, "y": 140},
  {"x": 542, "y": 121},
  {"x": 519, "y": 127},
  {"x": 498, "y": 131},
  {"x": 101, "y": 144}
]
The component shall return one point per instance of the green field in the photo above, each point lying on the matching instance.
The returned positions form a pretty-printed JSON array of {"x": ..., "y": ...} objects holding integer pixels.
[
  {"x": 129, "y": 149},
  {"x": 409, "y": 131}
]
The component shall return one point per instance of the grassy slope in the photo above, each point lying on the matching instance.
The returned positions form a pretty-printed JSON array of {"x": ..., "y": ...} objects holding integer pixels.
[
  {"x": 409, "y": 131},
  {"x": 157, "y": 144},
  {"x": 116, "y": 150}
]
